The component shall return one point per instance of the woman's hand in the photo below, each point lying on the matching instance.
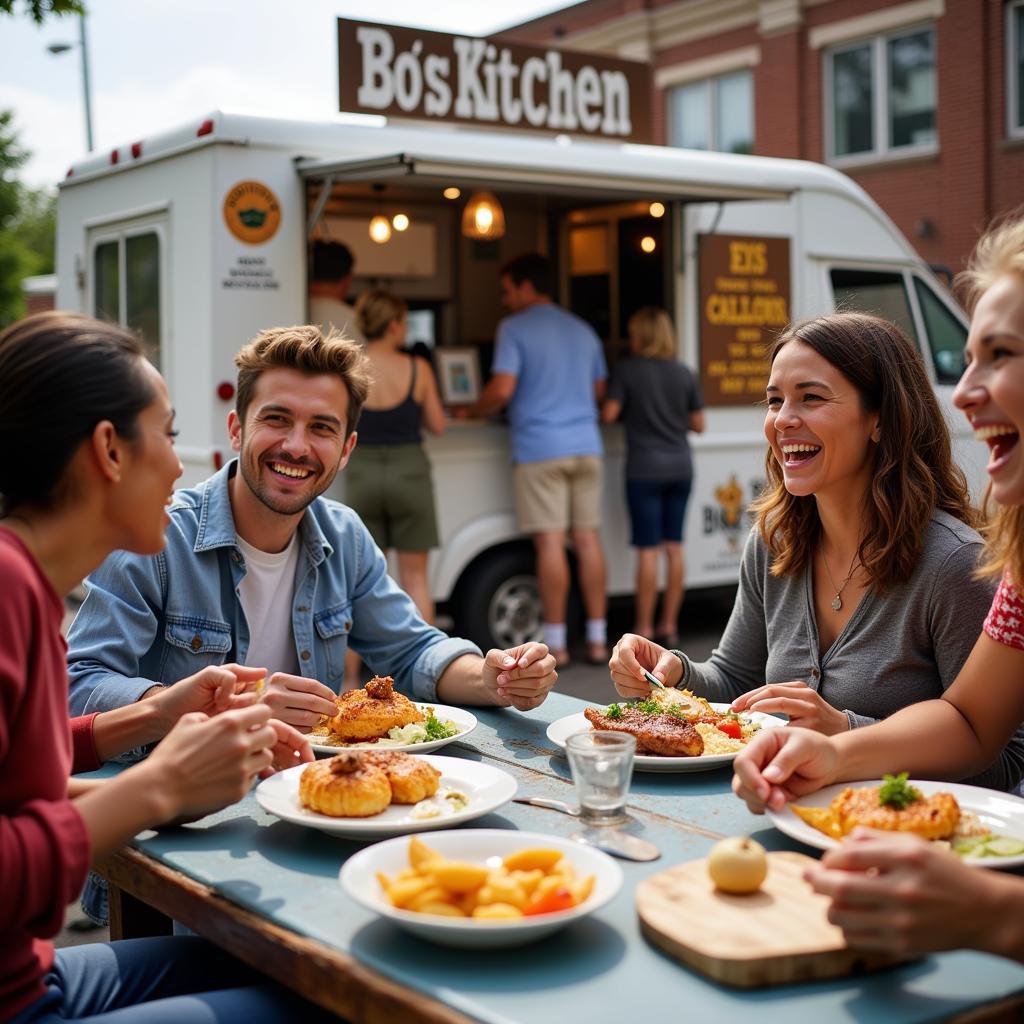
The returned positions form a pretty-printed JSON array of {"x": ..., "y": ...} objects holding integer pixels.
[
  {"x": 779, "y": 764},
  {"x": 205, "y": 763},
  {"x": 805, "y": 707},
  {"x": 900, "y": 894},
  {"x": 631, "y": 655},
  {"x": 291, "y": 748},
  {"x": 520, "y": 677},
  {"x": 211, "y": 690}
]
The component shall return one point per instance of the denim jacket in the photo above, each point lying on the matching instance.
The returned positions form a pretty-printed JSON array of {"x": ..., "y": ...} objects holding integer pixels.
[{"x": 156, "y": 619}]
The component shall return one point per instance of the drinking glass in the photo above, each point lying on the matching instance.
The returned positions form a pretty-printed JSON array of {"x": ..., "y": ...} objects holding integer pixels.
[{"x": 601, "y": 764}]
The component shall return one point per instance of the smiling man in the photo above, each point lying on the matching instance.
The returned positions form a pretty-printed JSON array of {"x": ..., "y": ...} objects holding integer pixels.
[{"x": 261, "y": 569}]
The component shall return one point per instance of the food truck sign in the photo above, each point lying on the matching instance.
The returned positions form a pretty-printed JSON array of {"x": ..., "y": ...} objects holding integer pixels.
[
  {"x": 433, "y": 76},
  {"x": 744, "y": 303}
]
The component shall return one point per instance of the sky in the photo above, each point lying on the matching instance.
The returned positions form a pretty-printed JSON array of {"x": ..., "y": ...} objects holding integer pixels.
[{"x": 155, "y": 64}]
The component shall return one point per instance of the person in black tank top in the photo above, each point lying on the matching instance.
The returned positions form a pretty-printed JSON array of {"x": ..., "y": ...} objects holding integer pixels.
[{"x": 388, "y": 480}]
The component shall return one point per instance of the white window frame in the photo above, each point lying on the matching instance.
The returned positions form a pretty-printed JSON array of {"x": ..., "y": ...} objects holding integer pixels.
[
  {"x": 1014, "y": 116},
  {"x": 881, "y": 150},
  {"x": 710, "y": 81},
  {"x": 120, "y": 232}
]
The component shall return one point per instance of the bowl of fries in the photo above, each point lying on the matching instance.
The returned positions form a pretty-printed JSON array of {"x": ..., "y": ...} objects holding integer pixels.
[{"x": 481, "y": 888}]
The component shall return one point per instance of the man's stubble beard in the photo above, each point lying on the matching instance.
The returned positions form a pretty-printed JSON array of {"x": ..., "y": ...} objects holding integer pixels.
[{"x": 261, "y": 494}]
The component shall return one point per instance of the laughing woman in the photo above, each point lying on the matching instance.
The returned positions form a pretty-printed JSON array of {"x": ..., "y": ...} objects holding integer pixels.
[
  {"x": 844, "y": 613},
  {"x": 89, "y": 465},
  {"x": 898, "y": 892}
]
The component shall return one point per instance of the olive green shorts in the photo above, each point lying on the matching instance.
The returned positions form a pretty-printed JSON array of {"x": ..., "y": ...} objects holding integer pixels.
[{"x": 392, "y": 490}]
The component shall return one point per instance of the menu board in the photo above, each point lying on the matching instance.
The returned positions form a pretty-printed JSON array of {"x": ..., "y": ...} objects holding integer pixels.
[{"x": 744, "y": 303}]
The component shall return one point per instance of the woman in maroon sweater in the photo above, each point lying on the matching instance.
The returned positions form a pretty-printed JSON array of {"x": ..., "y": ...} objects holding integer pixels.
[{"x": 86, "y": 428}]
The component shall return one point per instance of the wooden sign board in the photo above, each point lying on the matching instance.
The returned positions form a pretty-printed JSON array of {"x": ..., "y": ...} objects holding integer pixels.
[
  {"x": 434, "y": 76},
  {"x": 744, "y": 303}
]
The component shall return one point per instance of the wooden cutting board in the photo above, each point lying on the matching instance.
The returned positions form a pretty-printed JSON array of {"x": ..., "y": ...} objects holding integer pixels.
[{"x": 772, "y": 937}]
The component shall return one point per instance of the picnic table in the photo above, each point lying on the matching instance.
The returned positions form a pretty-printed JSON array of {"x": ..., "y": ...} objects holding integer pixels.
[{"x": 268, "y": 891}]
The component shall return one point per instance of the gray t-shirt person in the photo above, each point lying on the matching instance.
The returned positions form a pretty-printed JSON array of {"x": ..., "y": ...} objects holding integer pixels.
[
  {"x": 898, "y": 648},
  {"x": 657, "y": 396}
]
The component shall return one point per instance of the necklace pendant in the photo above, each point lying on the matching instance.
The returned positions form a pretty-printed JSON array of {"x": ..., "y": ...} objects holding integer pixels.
[{"x": 837, "y": 603}]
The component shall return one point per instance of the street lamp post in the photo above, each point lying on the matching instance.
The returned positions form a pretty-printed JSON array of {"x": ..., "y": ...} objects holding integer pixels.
[{"x": 57, "y": 48}]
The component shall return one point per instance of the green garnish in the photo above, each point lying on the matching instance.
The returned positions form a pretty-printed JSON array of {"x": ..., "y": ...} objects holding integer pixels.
[
  {"x": 648, "y": 706},
  {"x": 614, "y": 711},
  {"x": 896, "y": 792},
  {"x": 438, "y": 730}
]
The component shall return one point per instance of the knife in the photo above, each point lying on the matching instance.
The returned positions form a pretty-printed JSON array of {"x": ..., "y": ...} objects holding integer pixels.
[{"x": 551, "y": 805}]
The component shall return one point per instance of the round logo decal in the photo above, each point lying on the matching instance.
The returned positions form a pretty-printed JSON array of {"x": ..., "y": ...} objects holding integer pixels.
[{"x": 252, "y": 212}]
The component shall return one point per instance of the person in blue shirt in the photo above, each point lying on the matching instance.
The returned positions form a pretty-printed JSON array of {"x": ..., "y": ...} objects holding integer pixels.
[
  {"x": 549, "y": 369},
  {"x": 260, "y": 569}
]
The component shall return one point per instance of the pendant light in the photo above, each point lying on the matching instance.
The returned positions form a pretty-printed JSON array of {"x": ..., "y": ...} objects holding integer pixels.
[
  {"x": 380, "y": 229},
  {"x": 483, "y": 217}
]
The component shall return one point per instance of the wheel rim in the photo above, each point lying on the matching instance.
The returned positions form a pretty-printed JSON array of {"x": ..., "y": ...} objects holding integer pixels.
[{"x": 514, "y": 615}]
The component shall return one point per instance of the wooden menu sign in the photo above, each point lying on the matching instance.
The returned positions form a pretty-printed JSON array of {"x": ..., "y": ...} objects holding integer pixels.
[
  {"x": 744, "y": 303},
  {"x": 434, "y": 76}
]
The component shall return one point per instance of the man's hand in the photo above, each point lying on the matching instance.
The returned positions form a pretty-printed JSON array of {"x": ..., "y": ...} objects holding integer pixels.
[
  {"x": 805, "y": 707},
  {"x": 211, "y": 690},
  {"x": 779, "y": 764},
  {"x": 298, "y": 701},
  {"x": 631, "y": 655},
  {"x": 520, "y": 677}
]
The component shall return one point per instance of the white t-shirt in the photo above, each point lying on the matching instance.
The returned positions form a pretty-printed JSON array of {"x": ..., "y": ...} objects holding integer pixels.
[
  {"x": 266, "y": 593},
  {"x": 333, "y": 312}
]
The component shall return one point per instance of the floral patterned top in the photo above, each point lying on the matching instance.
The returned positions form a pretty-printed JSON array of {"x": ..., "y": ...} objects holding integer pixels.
[{"x": 1005, "y": 620}]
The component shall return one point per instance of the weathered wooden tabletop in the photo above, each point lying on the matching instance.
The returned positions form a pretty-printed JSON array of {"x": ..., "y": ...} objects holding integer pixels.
[{"x": 269, "y": 890}]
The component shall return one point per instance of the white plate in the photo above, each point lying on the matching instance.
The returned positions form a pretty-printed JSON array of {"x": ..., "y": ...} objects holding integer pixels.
[
  {"x": 486, "y": 787},
  {"x": 465, "y": 720},
  {"x": 359, "y": 880},
  {"x": 564, "y": 727},
  {"x": 1000, "y": 812}
]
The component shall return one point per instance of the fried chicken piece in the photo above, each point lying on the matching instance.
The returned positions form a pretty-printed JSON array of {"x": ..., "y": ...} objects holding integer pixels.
[
  {"x": 411, "y": 778},
  {"x": 367, "y": 714},
  {"x": 661, "y": 735},
  {"x": 345, "y": 786},
  {"x": 932, "y": 817}
]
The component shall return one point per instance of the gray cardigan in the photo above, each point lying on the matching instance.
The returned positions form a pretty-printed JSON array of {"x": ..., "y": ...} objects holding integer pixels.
[{"x": 897, "y": 649}]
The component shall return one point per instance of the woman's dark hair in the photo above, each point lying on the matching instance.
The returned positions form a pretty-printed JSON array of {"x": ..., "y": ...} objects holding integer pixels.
[
  {"x": 60, "y": 375},
  {"x": 913, "y": 472}
]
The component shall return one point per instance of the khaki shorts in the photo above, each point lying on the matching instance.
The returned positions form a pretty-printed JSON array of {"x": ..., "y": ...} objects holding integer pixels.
[
  {"x": 392, "y": 490},
  {"x": 558, "y": 494}
]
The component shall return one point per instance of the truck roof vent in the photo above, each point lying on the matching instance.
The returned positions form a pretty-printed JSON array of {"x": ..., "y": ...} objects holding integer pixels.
[
  {"x": 136, "y": 150},
  {"x": 206, "y": 128}
]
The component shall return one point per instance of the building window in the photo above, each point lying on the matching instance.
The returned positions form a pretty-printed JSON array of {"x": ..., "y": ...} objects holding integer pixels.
[
  {"x": 1015, "y": 66},
  {"x": 881, "y": 96},
  {"x": 716, "y": 113}
]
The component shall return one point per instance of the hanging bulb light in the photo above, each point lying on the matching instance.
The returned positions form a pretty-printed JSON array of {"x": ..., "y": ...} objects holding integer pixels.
[
  {"x": 380, "y": 229},
  {"x": 648, "y": 244},
  {"x": 657, "y": 209},
  {"x": 483, "y": 217},
  {"x": 400, "y": 221}
]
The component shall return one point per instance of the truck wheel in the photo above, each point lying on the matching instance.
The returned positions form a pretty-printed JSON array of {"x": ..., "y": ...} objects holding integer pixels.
[{"x": 498, "y": 604}]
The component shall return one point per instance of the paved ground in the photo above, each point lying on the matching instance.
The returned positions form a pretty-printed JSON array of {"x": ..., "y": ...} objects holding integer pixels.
[{"x": 702, "y": 622}]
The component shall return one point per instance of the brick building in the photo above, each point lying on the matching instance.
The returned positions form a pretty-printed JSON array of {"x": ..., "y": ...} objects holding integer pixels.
[{"x": 921, "y": 102}]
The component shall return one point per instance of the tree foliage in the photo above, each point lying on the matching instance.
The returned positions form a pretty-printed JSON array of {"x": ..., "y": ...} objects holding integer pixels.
[
  {"x": 39, "y": 9},
  {"x": 28, "y": 221}
]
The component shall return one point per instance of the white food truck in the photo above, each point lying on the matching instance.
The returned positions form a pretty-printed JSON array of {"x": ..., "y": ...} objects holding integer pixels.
[{"x": 200, "y": 237}]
